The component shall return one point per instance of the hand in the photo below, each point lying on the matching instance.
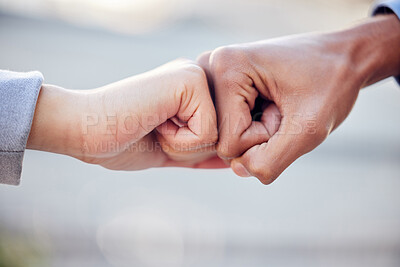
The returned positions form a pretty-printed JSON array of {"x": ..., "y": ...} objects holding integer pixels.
[
  {"x": 164, "y": 117},
  {"x": 303, "y": 86}
]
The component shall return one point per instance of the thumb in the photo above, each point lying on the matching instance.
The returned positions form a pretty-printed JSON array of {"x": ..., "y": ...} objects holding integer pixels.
[{"x": 269, "y": 159}]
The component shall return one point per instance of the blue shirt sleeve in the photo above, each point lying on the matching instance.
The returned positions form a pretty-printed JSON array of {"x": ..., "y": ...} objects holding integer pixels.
[
  {"x": 387, "y": 7},
  {"x": 18, "y": 96}
]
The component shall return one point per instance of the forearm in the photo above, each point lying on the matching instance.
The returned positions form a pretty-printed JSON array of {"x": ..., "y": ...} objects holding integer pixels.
[
  {"x": 85, "y": 123},
  {"x": 372, "y": 48}
]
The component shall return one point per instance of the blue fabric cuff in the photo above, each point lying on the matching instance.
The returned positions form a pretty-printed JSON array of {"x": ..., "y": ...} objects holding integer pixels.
[{"x": 387, "y": 7}]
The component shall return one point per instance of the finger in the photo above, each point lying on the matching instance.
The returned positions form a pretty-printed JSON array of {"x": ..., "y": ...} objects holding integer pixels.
[
  {"x": 210, "y": 163},
  {"x": 141, "y": 155},
  {"x": 268, "y": 160},
  {"x": 257, "y": 133},
  {"x": 186, "y": 157},
  {"x": 235, "y": 99},
  {"x": 261, "y": 131},
  {"x": 198, "y": 123}
]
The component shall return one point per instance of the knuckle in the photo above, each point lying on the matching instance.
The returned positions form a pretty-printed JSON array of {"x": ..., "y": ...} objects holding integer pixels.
[
  {"x": 263, "y": 173},
  {"x": 266, "y": 181},
  {"x": 179, "y": 62},
  {"x": 189, "y": 68},
  {"x": 195, "y": 73},
  {"x": 224, "y": 58},
  {"x": 204, "y": 58},
  {"x": 192, "y": 76},
  {"x": 193, "y": 68}
]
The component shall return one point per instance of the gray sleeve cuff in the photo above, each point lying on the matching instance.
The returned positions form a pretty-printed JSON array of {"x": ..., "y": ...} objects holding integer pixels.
[
  {"x": 18, "y": 96},
  {"x": 387, "y": 7}
]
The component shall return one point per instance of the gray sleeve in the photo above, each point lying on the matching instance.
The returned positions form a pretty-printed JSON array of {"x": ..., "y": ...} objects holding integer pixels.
[
  {"x": 18, "y": 95},
  {"x": 387, "y": 7}
]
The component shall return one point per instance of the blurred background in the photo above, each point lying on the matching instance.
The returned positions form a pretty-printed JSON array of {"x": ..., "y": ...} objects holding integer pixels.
[{"x": 337, "y": 206}]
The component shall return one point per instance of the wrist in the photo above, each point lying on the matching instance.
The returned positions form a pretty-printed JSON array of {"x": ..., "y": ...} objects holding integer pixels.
[
  {"x": 371, "y": 49},
  {"x": 56, "y": 125}
]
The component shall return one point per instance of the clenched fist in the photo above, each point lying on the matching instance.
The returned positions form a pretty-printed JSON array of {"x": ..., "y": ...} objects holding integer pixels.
[
  {"x": 278, "y": 99},
  {"x": 164, "y": 117}
]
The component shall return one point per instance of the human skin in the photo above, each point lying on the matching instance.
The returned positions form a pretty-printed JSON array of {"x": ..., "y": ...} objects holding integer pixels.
[
  {"x": 306, "y": 84},
  {"x": 164, "y": 117}
]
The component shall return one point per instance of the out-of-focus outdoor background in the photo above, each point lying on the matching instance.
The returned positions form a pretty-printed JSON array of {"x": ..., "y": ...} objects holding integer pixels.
[{"x": 337, "y": 206}]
